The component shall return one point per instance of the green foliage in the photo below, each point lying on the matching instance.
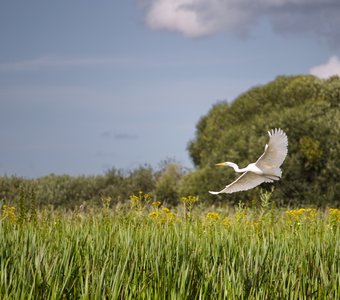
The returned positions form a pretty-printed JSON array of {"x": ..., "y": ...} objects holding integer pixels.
[
  {"x": 306, "y": 108},
  {"x": 141, "y": 179},
  {"x": 168, "y": 182},
  {"x": 62, "y": 191},
  {"x": 110, "y": 254},
  {"x": 310, "y": 151},
  {"x": 74, "y": 191}
]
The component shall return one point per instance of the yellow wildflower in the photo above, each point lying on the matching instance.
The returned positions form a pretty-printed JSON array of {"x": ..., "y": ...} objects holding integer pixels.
[
  {"x": 213, "y": 216},
  {"x": 163, "y": 216},
  {"x": 153, "y": 214},
  {"x": 156, "y": 203},
  {"x": 334, "y": 214},
  {"x": 166, "y": 210},
  {"x": 302, "y": 214},
  {"x": 189, "y": 200},
  {"x": 9, "y": 213}
]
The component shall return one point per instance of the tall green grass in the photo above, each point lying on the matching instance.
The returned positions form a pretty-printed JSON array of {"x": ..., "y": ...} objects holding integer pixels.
[{"x": 131, "y": 255}]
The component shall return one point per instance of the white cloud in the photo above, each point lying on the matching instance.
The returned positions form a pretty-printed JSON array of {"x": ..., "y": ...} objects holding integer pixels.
[
  {"x": 177, "y": 15},
  {"x": 330, "y": 68},
  {"x": 195, "y": 18}
]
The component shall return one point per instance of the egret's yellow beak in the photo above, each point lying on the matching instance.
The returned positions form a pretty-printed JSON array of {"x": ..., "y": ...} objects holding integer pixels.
[{"x": 220, "y": 164}]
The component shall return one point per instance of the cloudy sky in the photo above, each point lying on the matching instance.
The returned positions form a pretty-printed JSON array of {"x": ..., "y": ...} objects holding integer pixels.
[{"x": 86, "y": 86}]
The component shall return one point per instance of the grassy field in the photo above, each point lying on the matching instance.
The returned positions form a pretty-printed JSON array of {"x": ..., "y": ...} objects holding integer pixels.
[{"x": 147, "y": 251}]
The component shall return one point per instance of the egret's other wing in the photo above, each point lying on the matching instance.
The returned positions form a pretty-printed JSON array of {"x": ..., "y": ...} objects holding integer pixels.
[
  {"x": 246, "y": 181},
  {"x": 276, "y": 150}
]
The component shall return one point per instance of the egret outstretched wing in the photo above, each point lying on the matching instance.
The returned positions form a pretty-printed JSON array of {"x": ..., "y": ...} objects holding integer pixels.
[
  {"x": 246, "y": 181},
  {"x": 275, "y": 151},
  {"x": 265, "y": 169}
]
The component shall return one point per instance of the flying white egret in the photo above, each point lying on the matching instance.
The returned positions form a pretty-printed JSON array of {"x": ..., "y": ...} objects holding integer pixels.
[{"x": 265, "y": 169}]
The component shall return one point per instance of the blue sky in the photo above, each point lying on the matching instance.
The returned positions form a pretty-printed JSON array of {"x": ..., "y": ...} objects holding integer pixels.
[{"x": 87, "y": 86}]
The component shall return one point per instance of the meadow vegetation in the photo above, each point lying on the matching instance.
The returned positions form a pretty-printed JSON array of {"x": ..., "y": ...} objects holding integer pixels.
[{"x": 145, "y": 250}]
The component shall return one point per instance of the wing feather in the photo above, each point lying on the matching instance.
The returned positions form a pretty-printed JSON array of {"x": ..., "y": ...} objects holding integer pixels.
[
  {"x": 246, "y": 181},
  {"x": 275, "y": 151}
]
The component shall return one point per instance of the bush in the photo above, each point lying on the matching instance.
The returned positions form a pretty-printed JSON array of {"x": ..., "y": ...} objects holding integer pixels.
[{"x": 168, "y": 183}]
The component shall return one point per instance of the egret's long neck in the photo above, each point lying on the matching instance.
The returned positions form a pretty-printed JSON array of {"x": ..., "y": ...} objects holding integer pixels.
[{"x": 236, "y": 168}]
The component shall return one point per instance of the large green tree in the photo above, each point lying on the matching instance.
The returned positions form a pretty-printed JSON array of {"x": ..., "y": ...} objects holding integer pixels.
[{"x": 306, "y": 108}]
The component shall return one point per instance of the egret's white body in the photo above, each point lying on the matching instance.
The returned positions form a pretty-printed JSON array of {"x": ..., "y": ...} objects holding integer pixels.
[{"x": 265, "y": 169}]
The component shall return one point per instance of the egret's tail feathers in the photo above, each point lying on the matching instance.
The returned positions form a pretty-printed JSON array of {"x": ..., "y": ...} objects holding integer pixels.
[{"x": 214, "y": 193}]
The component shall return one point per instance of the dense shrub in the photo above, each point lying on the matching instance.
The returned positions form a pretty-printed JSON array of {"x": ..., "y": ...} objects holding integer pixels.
[
  {"x": 168, "y": 183},
  {"x": 74, "y": 191}
]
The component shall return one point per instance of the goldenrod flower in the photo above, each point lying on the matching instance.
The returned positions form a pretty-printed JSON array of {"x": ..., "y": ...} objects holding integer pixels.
[
  {"x": 153, "y": 214},
  {"x": 213, "y": 216},
  {"x": 9, "y": 213},
  {"x": 156, "y": 203},
  {"x": 189, "y": 200},
  {"x": 334, "y": 214},
  {"x": 302, "y": 214},
  {"x": 166, "y": 210}
]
